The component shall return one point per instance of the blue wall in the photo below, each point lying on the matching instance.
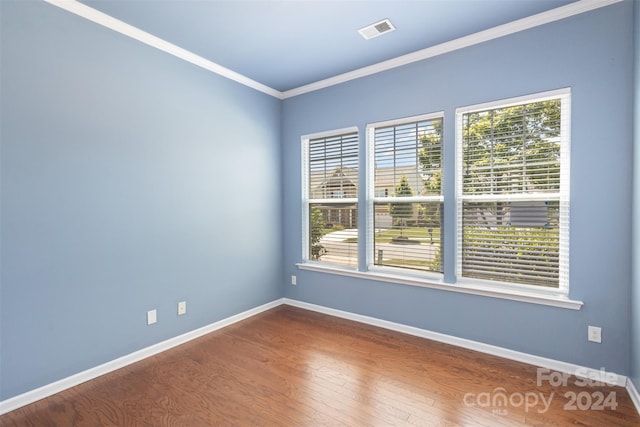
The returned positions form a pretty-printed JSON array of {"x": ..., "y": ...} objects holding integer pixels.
[
  {"x": 131, "y": 180},
  {"x": 635, "y": 326},
  {"x": 592, "y": 54}
]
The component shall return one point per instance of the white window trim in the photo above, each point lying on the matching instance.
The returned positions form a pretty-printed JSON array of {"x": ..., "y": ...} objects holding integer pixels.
[
  {"x": 521, "y": 295},
  {"x": 516, "y": 292},
  {"x": 562, "y": 292},
  {"x": 305, "y": 139},
  {"x": 371, "y": 197}
]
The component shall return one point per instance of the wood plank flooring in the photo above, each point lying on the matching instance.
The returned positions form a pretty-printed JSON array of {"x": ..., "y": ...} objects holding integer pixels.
[{"x": 292, "y": 367}]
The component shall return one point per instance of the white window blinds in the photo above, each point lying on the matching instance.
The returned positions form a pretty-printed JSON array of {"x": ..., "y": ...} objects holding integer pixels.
[
  {"x": 406, "y": 193},
  {"x": 330, "y": 194},
  {"x": 513, "y": 191}
]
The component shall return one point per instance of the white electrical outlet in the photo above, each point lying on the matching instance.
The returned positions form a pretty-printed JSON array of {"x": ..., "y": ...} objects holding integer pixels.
[
  {"x": 293, "y": 280},
  {"x": 152, "y": 317},
  {"x": 595, "y": 334},
  {"x": 182, "y": 308}
]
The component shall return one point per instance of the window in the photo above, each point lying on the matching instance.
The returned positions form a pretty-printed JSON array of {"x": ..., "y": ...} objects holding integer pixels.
[
  {"x": 330, "y": 195},
  {"x": 405, "y": 194},
  {"x": 509, "y": 204},
  {"x": 513, "y": 191}
]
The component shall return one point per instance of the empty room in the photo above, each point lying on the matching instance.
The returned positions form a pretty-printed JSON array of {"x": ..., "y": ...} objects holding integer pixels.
[{"x": 306, "y": 212}]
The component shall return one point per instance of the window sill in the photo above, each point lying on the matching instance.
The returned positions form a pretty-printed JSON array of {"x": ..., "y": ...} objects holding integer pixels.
[{"x": 553, "y": 300}]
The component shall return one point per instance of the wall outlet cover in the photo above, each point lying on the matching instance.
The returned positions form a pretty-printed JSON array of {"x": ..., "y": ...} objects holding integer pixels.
[
  {"x": 595, "y": 334},
  {"x": 152, "y": 317},
  {"x": 182, "y": 308}
]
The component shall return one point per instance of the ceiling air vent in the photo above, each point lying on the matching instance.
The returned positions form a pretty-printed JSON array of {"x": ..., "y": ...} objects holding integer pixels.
[{"x": 377, "y": 29}]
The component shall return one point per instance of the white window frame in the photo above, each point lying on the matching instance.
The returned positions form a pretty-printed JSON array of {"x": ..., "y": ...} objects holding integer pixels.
[
  {"x": 554, "y": 297},
  {"x": 563, "y": 195},
  {"x": 371, "y": 196},
  {"x": 306, "y": 199}
]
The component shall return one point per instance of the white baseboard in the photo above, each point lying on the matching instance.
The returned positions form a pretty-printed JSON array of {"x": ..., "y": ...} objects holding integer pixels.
[
  {"x": 633, "y": 394},
  {"x": 84, "y": 376},
  {"x": 543, "y": 362},
  {"x": 81, "y": 377}
]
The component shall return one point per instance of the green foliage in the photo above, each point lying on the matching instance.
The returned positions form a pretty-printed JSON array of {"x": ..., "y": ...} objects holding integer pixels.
[
  {"x": 400, "y": 211},
  {"x": 507, "y": 151},
  {"x": 533, "y": 251},
  {"x": 436, "y": 263},
  {"x": 512, "y": 149},
  {"x": 317, "y": 230},
  {"x": 430, "y": 157}
]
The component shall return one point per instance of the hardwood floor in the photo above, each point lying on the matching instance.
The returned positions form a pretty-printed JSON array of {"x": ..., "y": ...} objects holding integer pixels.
[{"x": 292, "y": 367}]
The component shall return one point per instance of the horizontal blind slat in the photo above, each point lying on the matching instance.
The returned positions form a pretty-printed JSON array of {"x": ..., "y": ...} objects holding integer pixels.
[
  {"x": 407, "y": 167},
  {"x": 333, "y": 190},
  {"x": 509, "y": 152}
]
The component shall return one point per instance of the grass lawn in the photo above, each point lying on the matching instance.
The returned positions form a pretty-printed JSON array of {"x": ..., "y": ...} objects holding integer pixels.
[
  {"x": 418, "y": 264},
  {"x": 386, "y": 235}
]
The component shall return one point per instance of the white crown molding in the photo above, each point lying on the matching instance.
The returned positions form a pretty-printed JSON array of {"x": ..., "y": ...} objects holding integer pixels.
[
  {"x": 32, "y": 396},
  {"x": 543, "y": 362},
  {"x": 114, "y": 24},
  {"x": 553, "y": 15},
  {"x": 460, "y": 43}
]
